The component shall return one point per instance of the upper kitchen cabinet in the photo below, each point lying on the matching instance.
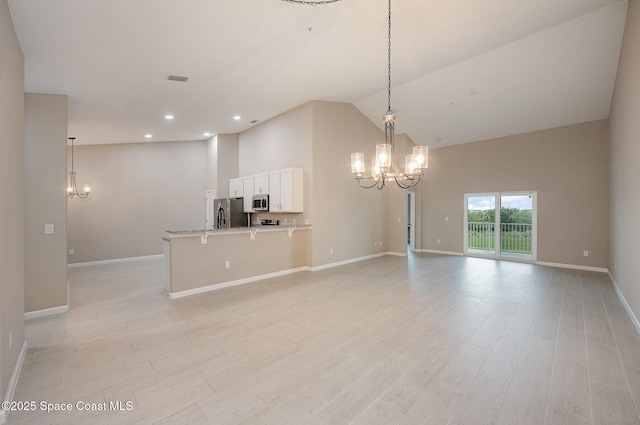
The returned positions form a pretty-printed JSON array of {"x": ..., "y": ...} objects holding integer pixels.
[
  {"x": 247, "y": 183},
  {"x": 286, "y": 191},
  {"x": 261, "y": 184},
  {"x": 236, "y": 188}
]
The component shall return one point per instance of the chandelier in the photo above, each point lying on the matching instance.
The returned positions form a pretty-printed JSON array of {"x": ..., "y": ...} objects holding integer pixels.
[
  {"x": 72, "y": 189},
  {"x": 383, "y": 166}
]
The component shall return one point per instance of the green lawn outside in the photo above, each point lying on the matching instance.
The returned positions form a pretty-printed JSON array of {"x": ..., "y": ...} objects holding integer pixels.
[{"x": 509, "y": 241}]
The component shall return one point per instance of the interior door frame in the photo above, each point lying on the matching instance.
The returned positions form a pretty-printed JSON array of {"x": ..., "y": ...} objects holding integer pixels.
[
  {"x": 496, "y": 237},
  {"x": 411, "y": 213}
]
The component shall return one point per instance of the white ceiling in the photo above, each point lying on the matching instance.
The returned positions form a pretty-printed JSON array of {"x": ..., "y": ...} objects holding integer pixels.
[{"x": 462, "y": 70}]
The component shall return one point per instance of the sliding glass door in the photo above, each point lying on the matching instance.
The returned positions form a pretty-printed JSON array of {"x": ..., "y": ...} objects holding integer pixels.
[
  {"x": 480, "y": 224},
  {"x": 501, "y": 225}
]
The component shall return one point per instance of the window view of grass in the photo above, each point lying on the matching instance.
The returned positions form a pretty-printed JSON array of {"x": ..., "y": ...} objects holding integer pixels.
[{"x": 515, "y": 230}]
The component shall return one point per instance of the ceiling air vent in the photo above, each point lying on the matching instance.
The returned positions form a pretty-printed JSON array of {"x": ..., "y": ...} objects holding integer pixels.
[{"x": 177, "y": 78}]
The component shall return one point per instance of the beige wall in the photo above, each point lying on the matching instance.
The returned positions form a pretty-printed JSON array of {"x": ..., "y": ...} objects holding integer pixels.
[
  {"x": 282, "y": 142},
  {"x": 46, "y": 201},
  {"x": 139, "y": 191},
  {"x": 222, "y": 163},
  {"x": 194, "y": 265},
  {"x": 568, "y": 166},
  {"x": 625, "y": 165},
  {"x": 397, "y": 200},
  {"x": 11, "y": 198},
  {"x": 212, "y": 164},
  {"x": 319, "y": 137},
  {"x": 348, "y": 222},
  {"x": 346, "y": 218},
  {"x": 227, "y": 162}
]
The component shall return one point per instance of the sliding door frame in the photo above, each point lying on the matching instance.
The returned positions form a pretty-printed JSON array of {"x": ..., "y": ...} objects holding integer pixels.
[{"x": 497, "y": 254}]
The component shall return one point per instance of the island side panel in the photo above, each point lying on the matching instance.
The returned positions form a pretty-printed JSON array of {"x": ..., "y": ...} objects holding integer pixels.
[{"x": 194, "y": 265}]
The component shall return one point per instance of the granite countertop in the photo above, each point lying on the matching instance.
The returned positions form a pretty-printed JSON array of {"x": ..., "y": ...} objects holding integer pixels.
[{"x": 195, "y": 232}]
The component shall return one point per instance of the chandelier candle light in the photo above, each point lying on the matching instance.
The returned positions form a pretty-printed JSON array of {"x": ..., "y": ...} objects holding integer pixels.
[
  {"x": 383, "y": 166},
  {"x": 72, "y": 189}
]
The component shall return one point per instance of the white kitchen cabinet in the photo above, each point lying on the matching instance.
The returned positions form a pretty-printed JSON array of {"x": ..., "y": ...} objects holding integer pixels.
[
  {"x": 236, "y": 188},
  {"x": 247, "y": 184},
  {"x": 286, "y": 191},
  {"x": 275, "y": 204},
  {"x": 261, "y": 184}
]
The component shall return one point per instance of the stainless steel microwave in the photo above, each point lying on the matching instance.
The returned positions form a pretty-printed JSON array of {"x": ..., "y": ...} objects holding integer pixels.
[{"x": 260, "y": 203}]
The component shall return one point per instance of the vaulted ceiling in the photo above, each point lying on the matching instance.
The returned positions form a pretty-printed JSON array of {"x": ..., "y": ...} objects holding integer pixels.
[{"x": 462, "y": 70}]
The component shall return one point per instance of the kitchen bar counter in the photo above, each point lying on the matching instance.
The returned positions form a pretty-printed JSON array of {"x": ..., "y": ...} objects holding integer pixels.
[
  {"x": 201, "y": 260},
  {"x": 235, "y": 230}
]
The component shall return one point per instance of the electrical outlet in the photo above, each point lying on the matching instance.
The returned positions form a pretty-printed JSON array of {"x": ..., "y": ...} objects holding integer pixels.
[
  {"x": 585, "y": 253},
  {"x": 10, "y": 340},
  {"x": 71, "y": 251},
  {"x": 48, "y": 229},
  {"x": 437, "y": 240},
  {"x": 379, "y": 243},
  {"x": 227, "y": 264},
  {"x": 330, "y": 250}
]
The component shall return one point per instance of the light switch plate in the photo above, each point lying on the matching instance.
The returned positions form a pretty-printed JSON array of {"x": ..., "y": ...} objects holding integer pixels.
[{"x": 48, "y": 229}]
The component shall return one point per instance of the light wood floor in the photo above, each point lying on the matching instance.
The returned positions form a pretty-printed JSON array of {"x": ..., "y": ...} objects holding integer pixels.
[{"x": 425, "y": 340}]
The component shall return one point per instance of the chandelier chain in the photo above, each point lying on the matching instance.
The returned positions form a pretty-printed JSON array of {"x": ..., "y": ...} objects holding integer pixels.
[
  {"x": 389, "y": 62},
  {"x": 73, "y": 139},
  {"x": 384, "y": 167},
  {"x": 312, "y": 3}
]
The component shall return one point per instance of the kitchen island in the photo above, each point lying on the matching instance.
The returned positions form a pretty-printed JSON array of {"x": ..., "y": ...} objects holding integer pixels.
[{"x": 199, "y": 261}]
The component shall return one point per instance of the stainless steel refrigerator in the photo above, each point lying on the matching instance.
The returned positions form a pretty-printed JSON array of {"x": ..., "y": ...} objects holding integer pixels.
[{"x": 228, "y": 213}]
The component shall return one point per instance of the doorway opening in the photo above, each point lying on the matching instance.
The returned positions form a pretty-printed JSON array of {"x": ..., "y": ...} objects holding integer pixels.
[
  {"x": 411, "y": 219},
  {"x": 501, "y": 225}
]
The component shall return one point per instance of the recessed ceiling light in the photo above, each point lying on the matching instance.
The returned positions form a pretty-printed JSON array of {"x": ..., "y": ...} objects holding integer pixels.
[
  {"x": 237, "y": 117},
  {"x": 168, "y": 117},
  {"x": 148, "y": 136},
  {"x": 207, "y": 134},
  {"x": 438, "y": 139}
]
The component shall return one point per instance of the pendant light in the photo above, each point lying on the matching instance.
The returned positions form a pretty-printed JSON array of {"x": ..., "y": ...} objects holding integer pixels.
[{"x": 72, "y": 189}]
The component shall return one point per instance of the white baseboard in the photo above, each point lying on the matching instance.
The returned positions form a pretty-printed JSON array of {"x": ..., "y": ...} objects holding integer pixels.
[
  {"x": 49, "y": 311},
  {"x": 4, "y": 414},
  {"x": 434, "y": 251},
  {"x": 398, "y": 254},
  {"x": 626, "y": 305},
  {"x": 46, "y": 312},
  {"x": 342, "y": 263},
  {"x": 573, "y": 266},
  {"x": 216, "y": 286},
  {"x": 115, "y": 260}
]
